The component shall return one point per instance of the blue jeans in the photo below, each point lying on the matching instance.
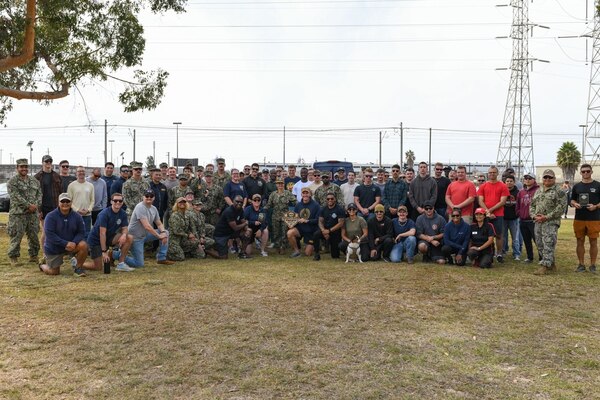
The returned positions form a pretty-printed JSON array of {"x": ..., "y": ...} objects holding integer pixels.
[
  {"x": 87, "y": 224},
  {"x": 407, "y": 245},
  {"x": 515, "y": 234},
  {"x": 136, "y": 259}
]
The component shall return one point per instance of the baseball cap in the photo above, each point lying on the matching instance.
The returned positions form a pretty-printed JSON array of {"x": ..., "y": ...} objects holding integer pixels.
[
  {"x": 549, "y": 172},
  {"x": 379, "y": 207},
  {"x": 64, "y": 196},
  {"x": 183, "y": 177},
  {"x": 480, "y": 210},
  {"x": 149, "y": 192},
  {"x": 47, "y": 157}
]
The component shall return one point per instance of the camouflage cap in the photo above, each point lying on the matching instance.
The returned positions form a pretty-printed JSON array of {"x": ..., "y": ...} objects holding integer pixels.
[
  {"x": 279, "y": 180},
  {"x": 164, "y": 165},
  {"x": 197, "y": 202},
  {"x": 200, "y": 168},
  {"x": 220, "y": 160},
  {"x": 306, "y": 190},
  {"x": 549, "y": 172},
  {"x": 47, "y": 157},
  {"x": 153, "y": 169},
  {"x": 135, "y": 164},
  {"x": 189, "y": 191},
  {"x": 22, "y": 161},
  {"x": 208, "y": 174},
  {"x": 183, "y": 176}
]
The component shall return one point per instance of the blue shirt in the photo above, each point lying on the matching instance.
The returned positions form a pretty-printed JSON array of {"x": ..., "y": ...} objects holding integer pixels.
[
  {"x": 109, "y": 181},
  {"x": 309, "y": 211},
  {"x": 111, "y": 221},
  {"x": 251, "y": 215},
  {"x": 457, "y": 236},
  {"x": 61, "y": 229},
  {"x": 398, "y": 228},
  {"x": 233, "y": 189}
]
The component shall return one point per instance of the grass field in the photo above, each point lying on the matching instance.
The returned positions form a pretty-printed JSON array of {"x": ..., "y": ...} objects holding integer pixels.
[{"x": 278, "y": 328}]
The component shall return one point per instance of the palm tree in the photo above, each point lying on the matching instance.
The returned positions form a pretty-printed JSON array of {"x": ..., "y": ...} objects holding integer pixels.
[
  {"x": 410, "y": 158},
  {"x": 568, "y": 159}
]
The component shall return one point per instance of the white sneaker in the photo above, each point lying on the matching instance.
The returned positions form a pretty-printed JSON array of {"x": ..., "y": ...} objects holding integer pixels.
[
  {"x": 73, "y": 262},
  {"x": 264, "y": 254},
  {"x": 271, "y": 246},
  {"x": 124, "y": 267}
]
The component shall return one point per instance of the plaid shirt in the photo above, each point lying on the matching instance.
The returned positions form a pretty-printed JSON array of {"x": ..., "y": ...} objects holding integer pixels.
[{"x": 394, "y": 194}]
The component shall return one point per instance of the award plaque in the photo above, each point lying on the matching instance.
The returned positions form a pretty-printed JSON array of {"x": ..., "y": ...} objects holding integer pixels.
[
  {"x": 290, "y": 218},
  {"x": 261, "y": 217},
  {"x": 584, "y": 199}
]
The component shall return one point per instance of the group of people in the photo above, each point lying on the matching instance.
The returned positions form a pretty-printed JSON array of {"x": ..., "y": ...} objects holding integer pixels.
[{"x": 444, "y": 217}]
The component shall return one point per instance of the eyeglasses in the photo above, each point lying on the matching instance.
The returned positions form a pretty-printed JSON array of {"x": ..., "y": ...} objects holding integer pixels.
[
  {"x": 65, "y": 201},
  {"x": 368, "y": 176},
  {"x": 148, "y": 196},
  {"x": 548, "y": 177},
  {"x": 182, "y": 202},
  {"x": 330, "y": 199},
  {"x": 378, "y": 212},
  {"x": 352, "y": 209},
  {"x": 64, "y": 166},
  {"x": 395, "y": 170},
  {"x": 48, "y": 162},
  {"x": 456, "y": 216},
  {"x": 253, "y": 169},
  {"x": 137, "y": 169},
  {"x": 317, "y": 175},
  {"x": 428, "y": 208},
  {"x": 528, "y": 177},
  {"x": 587, "y": 171},
  {"x": 480, "y": 180},
  {"x": 256, "y": 200},
  {"x": 239, "y": 202},
  {"x": 439, "y": 169},
  {"x": 117, "y": 200}
]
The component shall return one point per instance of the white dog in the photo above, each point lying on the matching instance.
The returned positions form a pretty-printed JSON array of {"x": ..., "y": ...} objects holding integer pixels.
[{"x": 353, "y": 250}]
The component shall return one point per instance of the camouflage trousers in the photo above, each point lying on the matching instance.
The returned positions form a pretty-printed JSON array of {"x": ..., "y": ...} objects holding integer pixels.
[
  {"x": 211, "y": 218},
  {"x": 179, "y": 247},
  {"x": 279, "y": 237},
  {"x": 546, "y": 234},
  {"x": 19, "y": 225},
  {"x": 209, "y": 242},
  {"x": 209, "y": 230}
]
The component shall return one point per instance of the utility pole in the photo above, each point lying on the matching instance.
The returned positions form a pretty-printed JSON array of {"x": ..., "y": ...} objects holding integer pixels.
[
  {"x": 169, "y": 158},
  {"x": 284, "y": 146},
  {"x": 429, "y": 151},
  {"x": 380, "y": 140},
  {"x": 154, "y": 151},
  {"x": 134, "y": 145},
  {"x": 106, "y": 141},
  {"x": 401, "y": 147},
  {"x": 0, "y": 156},
  {"x": 177, "y": 144},
  {"x": 591, "y": 143},
  {"x": 516, "y": 138},
  {"x": 111, "y": 151}
]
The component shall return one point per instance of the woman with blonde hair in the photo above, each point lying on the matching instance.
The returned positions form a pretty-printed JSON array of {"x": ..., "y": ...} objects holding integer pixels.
[{"x": 183, "y": 241}]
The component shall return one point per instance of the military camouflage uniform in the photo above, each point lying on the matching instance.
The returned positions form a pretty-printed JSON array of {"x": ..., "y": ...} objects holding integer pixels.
[
  {"x": 133, "y": 193},
  {"x": 181, "y": 224},
  {"x": 198, "y": 186},
  {"x": 176, "y": 192},
  {"x": 322, "y": 192},
  {"x": 221, "y": 180},
  {"x": 279, "y": 203},
  {"x": 202, "y": 230},
  {"x": 212, "y": 199},
  {"x": 23, "y": 192},
  {"x": 551, "y": 203}
]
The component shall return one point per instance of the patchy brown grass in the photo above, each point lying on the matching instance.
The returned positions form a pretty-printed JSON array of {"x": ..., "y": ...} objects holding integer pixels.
[{"x": 281, "y": 328}]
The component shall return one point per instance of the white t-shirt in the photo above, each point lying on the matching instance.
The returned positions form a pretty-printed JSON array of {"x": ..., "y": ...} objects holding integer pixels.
[
  {"x": 348, "y": 192},
  {"x": 297, "y": 189}
]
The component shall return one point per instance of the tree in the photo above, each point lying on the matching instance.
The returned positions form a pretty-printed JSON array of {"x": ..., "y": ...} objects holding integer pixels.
[
  {"x": 410, "y": 158},
  {"x": 150, "y": 162},
  {"x": 48, "y": 47},
  {"x": 568, "y": 159}
]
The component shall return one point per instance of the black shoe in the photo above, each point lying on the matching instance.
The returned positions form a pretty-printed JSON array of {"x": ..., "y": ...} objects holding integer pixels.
[
  {"x": 386, "y": 259},
  {"x": 79, "y": 272},
  {"x": 499, "y": 258},
  {"x": 242, "y": 256},
  {"x": 593, "y": 269},
  {"x": 317, "y": 257},
  {"x": 580, "y": 268}
]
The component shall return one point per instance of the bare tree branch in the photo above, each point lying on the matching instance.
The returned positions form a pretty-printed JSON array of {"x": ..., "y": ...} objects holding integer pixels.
[{"x": 26, "y": 53}]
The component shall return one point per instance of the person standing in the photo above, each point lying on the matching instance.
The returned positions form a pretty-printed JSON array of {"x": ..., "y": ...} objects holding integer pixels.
[
  {"x": 134, "y": 188},
  {"x": 300, "y": 184},
  {"x": 341, "y": 177},
  {"x": 82, "y": 195},
  {"x": 423, "y": 188},
  {"x": 349, "y": 187},
  {"x": 511, "y": 219},
  {"x": 442, "y": 186},
  {"x": 108, "y": 178},
  {"x": 65, "y": 177},
  {"x": 279, "y": 203},
  {"x": 100, "y": 196},
  {"x": 526, "y": 224},
  {"x": 546, "y": 208},
  {"x": 585, "y": 197},
  {"x": 461, "y": 194},
  {"x": 51, "y": 185},
  {"x": 25, "y": 202},
  {"x": 331, "y": 220},
  {"x": 395, "y": 192},
  {"x": 492, "y": 197},
  {"x": 161, "y": 201},
  {"x": 367, "y": 195}
]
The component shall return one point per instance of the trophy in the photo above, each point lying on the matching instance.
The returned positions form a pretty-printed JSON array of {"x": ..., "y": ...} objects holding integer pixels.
[
  {"x": 290, "y": 218},
  {"x": 584, "y": 199}
]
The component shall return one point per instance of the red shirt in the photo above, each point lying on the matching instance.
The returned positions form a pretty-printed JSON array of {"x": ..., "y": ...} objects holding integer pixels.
[
  {"x": 491, "y": 192},
  {"x": 460, "y": 191}
]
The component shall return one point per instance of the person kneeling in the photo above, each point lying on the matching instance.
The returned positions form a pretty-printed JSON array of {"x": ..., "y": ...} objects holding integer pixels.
[
  {"x": 65, "y": 234},
  {"x": 456, "y": 239},
  {"x": 430, "y": 231},
  {"x": 481, "y": 247}
]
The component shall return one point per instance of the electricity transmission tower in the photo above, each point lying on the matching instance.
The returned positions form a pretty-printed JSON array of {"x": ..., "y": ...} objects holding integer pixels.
[
  {"x": 516, "y": 139},
  {"x": 591, "y": 142}
]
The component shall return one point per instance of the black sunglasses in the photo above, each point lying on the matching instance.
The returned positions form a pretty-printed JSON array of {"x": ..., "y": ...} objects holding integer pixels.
[
  {"x": 64, "y": 166},
  {"x": 65, "y": 201},
  {"x": 455, "y": 216},
  {"x": 587, "y": 171},
  {"x": 428, "y": 208},
  {"x": 117, "y": 200},
  {"x": 548, "y": 177},
  {"x": 148, "y": 196}
]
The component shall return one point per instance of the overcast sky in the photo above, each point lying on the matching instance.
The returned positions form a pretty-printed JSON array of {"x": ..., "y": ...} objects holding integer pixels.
[{"x": 317, "y": 64}]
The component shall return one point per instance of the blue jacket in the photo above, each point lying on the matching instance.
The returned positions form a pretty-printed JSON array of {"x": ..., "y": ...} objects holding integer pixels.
[
  {"x": 457, "y": 236},
  {"x": 61, "y": 229},
  {"x": 312, "y": 212}
]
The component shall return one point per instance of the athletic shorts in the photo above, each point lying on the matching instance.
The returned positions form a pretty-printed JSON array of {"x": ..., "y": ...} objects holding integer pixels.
[
  {"x": 54, "y": 261},
  {"x": 96, "y": 251},
  {"x": 498, "y": 224},
  {"x": 590, "y": 229}
]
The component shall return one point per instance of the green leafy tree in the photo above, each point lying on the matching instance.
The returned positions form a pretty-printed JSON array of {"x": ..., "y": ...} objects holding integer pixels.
[
  {"x": 150, "y": 162},
  {"x": 568, "y": 158},
  {"x": 410, "y": 158},
  {"x": 48, "y": 47}
]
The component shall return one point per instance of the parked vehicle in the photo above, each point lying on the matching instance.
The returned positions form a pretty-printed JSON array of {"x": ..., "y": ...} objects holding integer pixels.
[
  {"x": 332, "y": 166},
  {"x": 4, "y": 198}
]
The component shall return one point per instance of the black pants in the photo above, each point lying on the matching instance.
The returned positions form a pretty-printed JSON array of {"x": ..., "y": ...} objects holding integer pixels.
[
  {"x": 527, "y": 231},
  {"x": 484, "y": 257},
  {"x": 448, "y": 251},
  {"x": 383, "y": 249},
  {"x": 334, "y": 242},
  {"x": 364, "y": 249}
]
